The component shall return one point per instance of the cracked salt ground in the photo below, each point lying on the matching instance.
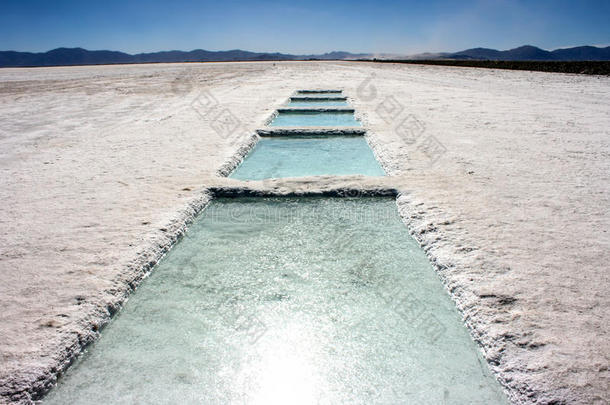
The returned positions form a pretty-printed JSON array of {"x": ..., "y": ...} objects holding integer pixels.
[
  {"x": 549, "y": 346},
  {"x": 329, "y": 299}
]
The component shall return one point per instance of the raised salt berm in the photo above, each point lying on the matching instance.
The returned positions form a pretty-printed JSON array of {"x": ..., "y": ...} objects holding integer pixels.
[{"x": 287, "y": 300}]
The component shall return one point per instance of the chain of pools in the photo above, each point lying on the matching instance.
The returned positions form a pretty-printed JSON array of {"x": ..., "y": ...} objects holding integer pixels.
[{"x": 290, "y": 299}]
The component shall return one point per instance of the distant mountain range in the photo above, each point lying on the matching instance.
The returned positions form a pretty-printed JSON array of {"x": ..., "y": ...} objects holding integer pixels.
[
  {"x": 528, "y": 52},
  {"x": 79, "y": 56}
]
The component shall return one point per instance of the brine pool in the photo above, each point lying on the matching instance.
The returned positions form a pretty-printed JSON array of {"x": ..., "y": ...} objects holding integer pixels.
[
  {"x": 315, "y": 119},
  {"x": 308, "y": 155},
  {"x": 287, "y": 300},
  {"x": 317, "y": 103},
  {"x": 321, "y": 93}
]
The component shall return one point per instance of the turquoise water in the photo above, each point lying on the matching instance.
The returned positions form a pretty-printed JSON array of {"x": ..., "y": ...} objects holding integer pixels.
[
  {"x": 287, "y": 301},
  {"x": 318, "y": 103},
  {"x": 297, "y": 156},
  {"x": 315, "y": 119},
  {"x": 319, "y": 93}
]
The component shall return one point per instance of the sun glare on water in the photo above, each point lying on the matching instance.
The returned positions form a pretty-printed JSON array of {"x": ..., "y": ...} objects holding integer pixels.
[{"x": 285, "y": 372}]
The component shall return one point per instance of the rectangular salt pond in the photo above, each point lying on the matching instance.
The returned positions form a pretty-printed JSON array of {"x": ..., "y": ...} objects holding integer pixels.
[
  {"x": 315, "y": 119},
  {"x": 320, "y": 93},
  {"x": 317, "y": 103},
  {"x": 287, "y": 301},
  {"x": 308, "y": 155}
]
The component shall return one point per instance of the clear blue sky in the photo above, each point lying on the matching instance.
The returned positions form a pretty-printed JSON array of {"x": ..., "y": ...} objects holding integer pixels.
[{"x": 306, "y": 26}]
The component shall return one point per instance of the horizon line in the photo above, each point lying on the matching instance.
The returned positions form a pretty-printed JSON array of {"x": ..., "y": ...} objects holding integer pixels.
[{"x": 599, "y": 46}]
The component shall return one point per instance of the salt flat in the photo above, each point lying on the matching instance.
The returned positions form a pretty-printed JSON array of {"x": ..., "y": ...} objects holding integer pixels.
[{"x": 103, "y": 166}]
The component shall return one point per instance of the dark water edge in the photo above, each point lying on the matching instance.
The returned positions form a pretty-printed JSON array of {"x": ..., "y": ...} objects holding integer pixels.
[{"x": 578, "y": 67}]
